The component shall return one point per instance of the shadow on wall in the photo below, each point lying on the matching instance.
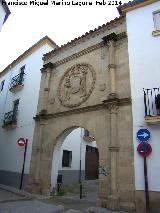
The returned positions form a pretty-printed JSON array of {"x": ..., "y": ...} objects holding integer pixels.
[{"x": 13, "y": 179}]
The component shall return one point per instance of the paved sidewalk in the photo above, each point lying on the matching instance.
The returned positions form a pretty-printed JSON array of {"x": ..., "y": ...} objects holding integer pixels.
[
  {"x": 15, "y": 201},
  {"x": 72, "y": 202},
  {"x": 29, "y": 206}
]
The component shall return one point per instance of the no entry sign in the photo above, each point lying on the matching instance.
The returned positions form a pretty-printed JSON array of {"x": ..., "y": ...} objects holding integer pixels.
[
  {"x": 144, "y": 149},
  {"x": 21, "y": 142}
]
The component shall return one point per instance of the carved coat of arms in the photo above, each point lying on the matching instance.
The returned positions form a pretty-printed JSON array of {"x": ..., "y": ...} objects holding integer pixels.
[{"x": 76, "y": 85}]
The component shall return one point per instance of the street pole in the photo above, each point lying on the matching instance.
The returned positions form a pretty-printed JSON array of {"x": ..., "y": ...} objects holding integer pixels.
[
  {"x": 144, "y": 149},
  {"x": 146, "y": 185},
  {"x": 80, "y": 169},
  {"x": 24, "y": 159}
]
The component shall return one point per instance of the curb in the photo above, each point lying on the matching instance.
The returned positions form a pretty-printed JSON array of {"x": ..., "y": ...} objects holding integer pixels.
[{"x": 23, "y": 195}]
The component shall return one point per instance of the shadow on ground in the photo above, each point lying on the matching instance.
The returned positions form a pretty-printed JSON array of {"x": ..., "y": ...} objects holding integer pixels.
[{"x": 69, "y": 196}]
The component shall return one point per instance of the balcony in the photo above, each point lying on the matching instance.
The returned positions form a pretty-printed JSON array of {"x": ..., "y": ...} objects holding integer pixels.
[
  {"x": 17, "y": 82},
  {"x": 152, "y": 110},
  {"x": 10, "y": 120}
]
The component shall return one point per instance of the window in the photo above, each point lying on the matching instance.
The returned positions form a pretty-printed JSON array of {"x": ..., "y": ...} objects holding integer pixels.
[
  {"x": 2, "y": 85},
  {"x": 91, "y": 149},
  {"x": 15, "y": 106},
  {"x": 22, "y": 70},
  {"x": 15, "y": 109},
  {"x": 67, "y": 158},
  {"x": 156, "y": 19},
  {"x": 21, "y": 74},
  {"x": 17, "y": 81},
  {"x": 11, "y": 116}
]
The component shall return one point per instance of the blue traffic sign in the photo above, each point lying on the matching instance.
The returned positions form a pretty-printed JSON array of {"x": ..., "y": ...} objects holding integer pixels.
[{"x": 143, "y": 135}]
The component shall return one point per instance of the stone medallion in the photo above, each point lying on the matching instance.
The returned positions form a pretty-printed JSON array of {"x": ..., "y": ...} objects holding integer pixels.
[{"x": 76, "y": 85}]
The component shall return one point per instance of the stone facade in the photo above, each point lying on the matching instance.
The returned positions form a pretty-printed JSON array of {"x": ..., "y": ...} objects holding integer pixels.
[{"x": 85, "y": 83}]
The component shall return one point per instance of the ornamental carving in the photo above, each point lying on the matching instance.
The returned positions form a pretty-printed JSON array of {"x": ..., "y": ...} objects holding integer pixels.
[{"x": 76, "y": 85}]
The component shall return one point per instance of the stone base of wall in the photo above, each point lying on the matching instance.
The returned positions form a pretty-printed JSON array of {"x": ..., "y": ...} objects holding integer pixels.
[
  {"x": 71, "y": 176},
  {"x": 154, "y": 202},
  {"x": 12, "y": 179}
]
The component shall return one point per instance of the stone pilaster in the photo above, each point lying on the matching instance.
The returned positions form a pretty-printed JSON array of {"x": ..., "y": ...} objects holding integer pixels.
[
  {"x": 113, "y": 198},
  {"x": 39, "y": 147},
  {"x": 34, "y": 185},
  {"x": 46, "y": 70},
  {"x": 110, "y": 42},
  {"x": 112, "y": 69},
  {"x": 113, "y": 202}
]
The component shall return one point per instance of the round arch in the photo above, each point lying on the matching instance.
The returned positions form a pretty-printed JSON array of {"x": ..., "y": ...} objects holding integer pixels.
[
  {"x": 71, "y": 139},
  {"x": 54, "y": 130},
  {"x": 56, "y": 154}
]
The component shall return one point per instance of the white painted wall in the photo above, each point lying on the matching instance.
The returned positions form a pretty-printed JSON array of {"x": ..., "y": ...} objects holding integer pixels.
[
  {"x": 71, "y": 141},
  {"x": 11, "y": 155},
  {"x": 2, "y": 15},
  {"x": 144, "y": 62}
]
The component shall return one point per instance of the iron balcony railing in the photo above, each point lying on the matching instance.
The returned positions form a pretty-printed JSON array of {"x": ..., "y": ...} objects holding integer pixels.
[
  {"x": 17, "y": 80},
  {"x": 149, "y": 101},
  {"x": 10, "y": 117}
]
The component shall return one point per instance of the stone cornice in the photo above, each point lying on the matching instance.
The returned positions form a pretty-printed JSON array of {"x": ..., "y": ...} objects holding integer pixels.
[
  {"x": 114, "y": 148},
  {"x": 86, "y": 36},
  {"x": 117, "y": 101},
  {"x": 132, "y": 5},
  {"x": 79, "y": 54},
  {"x": 86, "y": 51},
  {"x": 69, "y": 112},
  {"x": 110, "y": 37},
  {"x": 112, "y": 66},
  {"x": 107, "y": 103},
  {"x": 47, "y": 66}
]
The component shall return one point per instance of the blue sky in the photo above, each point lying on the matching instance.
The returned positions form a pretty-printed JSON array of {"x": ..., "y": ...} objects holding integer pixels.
[{"x": 28, "y": 24}]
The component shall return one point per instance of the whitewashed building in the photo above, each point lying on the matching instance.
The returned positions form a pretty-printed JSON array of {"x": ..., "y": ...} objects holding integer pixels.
[
  {"x": 19, "y": 91},
  {"x": 143, "y": 29},
  {"x": 4, "y": 12}
]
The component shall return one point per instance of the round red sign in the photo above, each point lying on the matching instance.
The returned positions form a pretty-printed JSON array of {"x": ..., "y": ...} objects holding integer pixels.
[
  {"x": 144, "y": 149},
  {"x": 21, "y": 142}
]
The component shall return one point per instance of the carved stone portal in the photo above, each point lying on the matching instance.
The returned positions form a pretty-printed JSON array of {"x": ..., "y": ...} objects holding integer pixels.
[{"x": 76, "y": 85}]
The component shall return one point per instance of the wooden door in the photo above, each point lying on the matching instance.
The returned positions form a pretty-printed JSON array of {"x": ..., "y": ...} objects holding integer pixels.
[{"x": 91, "y": 163}]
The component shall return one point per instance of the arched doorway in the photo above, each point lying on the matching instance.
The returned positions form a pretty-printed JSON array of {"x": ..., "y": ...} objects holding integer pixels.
[
  {"x": 75, "y": 160},
  {"x": 52, "y": 132},
  {"x": 86, "y": 84}
]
